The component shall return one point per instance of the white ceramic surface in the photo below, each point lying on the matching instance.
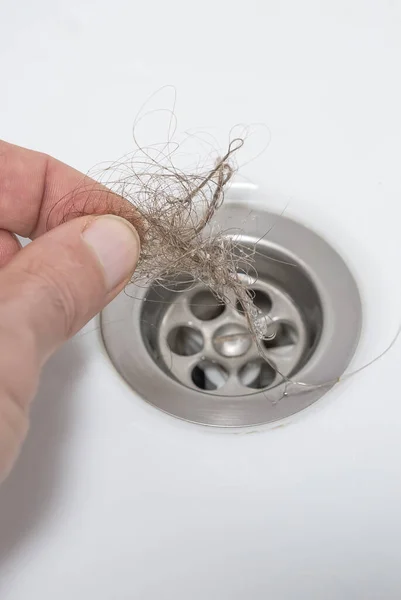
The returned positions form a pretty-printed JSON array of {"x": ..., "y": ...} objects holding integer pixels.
[{"x": 113, "y": 500}]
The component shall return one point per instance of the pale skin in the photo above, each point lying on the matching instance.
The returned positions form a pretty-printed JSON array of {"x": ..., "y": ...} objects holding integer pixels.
[{"x": 53, "y": 286}]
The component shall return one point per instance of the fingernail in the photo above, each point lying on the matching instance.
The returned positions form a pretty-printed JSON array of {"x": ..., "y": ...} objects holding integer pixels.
[{"x": 116, "y": 244}]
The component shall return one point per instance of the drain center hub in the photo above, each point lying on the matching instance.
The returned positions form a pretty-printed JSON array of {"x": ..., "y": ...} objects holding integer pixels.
[{"x": 232, "y": 340}]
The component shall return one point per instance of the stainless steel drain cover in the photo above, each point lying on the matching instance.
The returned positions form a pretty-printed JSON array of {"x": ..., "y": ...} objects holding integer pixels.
[
  {"x": 206, "y": 345},
  {"x": 191, "y": 356}
]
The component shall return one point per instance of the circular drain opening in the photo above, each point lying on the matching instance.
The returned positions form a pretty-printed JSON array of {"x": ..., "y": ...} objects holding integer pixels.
[
  {"x": 209, "y": 376},
  {"x": 185, "y": 341},
  {"x": 261, "y": 300},
  {"x": 257, "y": 374},
  {"x": 205, "y": 306},
  {"x": 191, "y": 356}
]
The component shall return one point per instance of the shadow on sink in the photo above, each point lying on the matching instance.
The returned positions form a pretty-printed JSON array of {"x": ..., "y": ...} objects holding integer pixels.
[{"x": 26, "y": 497}]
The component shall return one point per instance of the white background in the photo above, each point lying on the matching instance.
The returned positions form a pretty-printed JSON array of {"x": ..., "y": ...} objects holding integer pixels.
[{"x": 113, "y": 500}]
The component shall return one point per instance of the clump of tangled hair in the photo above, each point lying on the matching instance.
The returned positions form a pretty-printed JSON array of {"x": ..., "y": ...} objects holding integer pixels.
[{"x": 175, "y": 210}]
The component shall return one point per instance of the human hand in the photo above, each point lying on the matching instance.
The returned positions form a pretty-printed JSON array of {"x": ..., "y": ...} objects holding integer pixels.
[{"x": 53, "y": 286}]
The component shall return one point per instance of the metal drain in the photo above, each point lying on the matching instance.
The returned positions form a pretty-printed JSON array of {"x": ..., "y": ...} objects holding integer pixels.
[
  {"x": 191, "y": 356},
  {"x": 206, "y": 345}
]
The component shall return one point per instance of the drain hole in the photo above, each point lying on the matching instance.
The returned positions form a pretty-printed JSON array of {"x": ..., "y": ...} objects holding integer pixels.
[
  {"x": 260, "y": 299},
  {"x": 286, "y": 335},
  {"x": 209, "y": 376},
  {"x": 185, "y": 341},
  {"x": 206, "y": 306},
  {"x": 257, "y": 374}
]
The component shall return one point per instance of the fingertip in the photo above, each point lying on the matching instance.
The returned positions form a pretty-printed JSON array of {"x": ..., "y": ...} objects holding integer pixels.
[{"x": 116, "y": 244}]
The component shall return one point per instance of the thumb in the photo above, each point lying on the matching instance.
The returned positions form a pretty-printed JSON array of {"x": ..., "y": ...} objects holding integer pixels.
[{"x": 48, "y": 291}]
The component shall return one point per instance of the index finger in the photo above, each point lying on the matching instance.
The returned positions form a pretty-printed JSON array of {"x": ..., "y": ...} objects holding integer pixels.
[{"x": 38, "y": 192}]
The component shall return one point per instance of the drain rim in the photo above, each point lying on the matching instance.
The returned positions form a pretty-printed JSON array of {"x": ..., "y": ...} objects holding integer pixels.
[{"x": 340, "y": 333}]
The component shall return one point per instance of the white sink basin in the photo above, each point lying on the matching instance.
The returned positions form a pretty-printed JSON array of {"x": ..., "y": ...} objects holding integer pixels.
[{"x": 114, "y": 500}]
